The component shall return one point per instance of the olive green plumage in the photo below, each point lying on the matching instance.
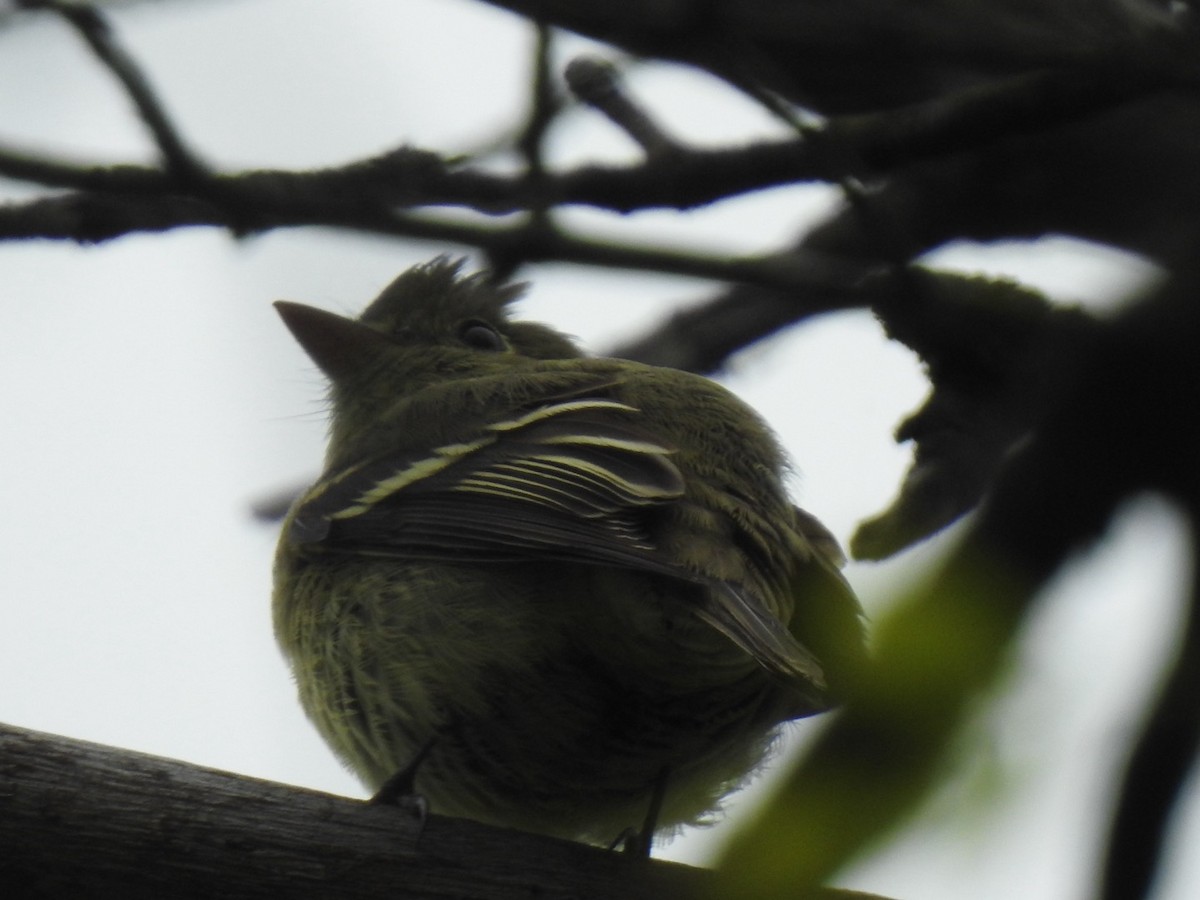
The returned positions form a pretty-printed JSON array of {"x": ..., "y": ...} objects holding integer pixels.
[{"x": 573, "y": 574}]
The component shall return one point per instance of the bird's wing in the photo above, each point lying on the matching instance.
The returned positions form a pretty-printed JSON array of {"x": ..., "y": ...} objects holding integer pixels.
[
  {"x": 576, "y": 479},
  {"x": 571, "y": 477}
]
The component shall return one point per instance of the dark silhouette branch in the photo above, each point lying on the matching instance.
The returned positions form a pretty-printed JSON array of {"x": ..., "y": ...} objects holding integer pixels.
[
  {"x": 96, "y": 217},
  {"x": 1162, "y": 761},
  {"x": 861, "y": 146},
  {"x": 864, "y": 56},
  {"x": 998, "y": 356},
  {"x": 96, "y": 31},
  {"x": 597, "y": 83},
  {"x": 79, "y": 819},
  {"x": 1103, "y": 439}
]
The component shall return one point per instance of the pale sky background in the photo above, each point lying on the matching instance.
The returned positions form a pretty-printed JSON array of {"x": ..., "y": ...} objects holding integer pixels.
[{"x": 150, "y": 395}]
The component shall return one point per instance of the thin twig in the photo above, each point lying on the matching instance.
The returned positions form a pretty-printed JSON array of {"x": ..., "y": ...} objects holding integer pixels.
[
  {"x": 597, "y": 83},
  {"x": 863, "y": 146},
  {"x": 95, "y": 30},
  {"x": 543, "y": 107}
]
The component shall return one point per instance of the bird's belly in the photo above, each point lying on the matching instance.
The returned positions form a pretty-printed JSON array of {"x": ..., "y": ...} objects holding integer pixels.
[{"x": 551, "y": 707}]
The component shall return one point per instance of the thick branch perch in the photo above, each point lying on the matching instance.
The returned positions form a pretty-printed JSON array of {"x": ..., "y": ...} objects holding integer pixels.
[
  {"x": 83, "y": 820},
  {"x": 80, "y": 819}
]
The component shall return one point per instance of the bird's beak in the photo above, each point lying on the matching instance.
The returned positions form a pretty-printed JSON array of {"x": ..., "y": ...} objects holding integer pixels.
[{"x": 339, "y": 346}]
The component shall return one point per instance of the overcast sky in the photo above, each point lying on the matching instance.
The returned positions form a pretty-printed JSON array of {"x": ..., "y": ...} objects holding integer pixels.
[{"x": 151, "y": 395}]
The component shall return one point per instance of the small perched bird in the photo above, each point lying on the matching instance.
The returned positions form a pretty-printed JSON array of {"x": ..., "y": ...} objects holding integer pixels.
[{"x": 575, "y": 588}]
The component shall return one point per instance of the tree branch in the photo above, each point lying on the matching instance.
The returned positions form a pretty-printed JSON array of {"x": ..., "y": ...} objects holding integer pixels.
[
  {"x": 1105, "y": 439},
  {"x": 998, "y": 355},
  {"x": 80, "y": 819},
  {"x": 95, "y": 30},
  {"x": 860, "y": 146},
  {"x": 861, "y": 55},
  {"x": 596, "y": 82},
  {"x": 1158, "y": 770},
  {"x": 94, "y": 217}
]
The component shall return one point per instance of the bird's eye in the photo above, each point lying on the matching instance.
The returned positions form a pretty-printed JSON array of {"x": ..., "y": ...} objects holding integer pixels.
[{"x": 481, "y": 336}]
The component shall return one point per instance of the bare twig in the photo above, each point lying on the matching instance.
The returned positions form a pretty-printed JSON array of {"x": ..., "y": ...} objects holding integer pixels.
[
  {"x": 94, "y": 28},
  {"x": 93, "y": 218},
  {"x": 852, "y": 145},
  {"x": 702, "y": 338},
  {"x": 543, "y": 104},
  {"x": 597, "y": 83}
]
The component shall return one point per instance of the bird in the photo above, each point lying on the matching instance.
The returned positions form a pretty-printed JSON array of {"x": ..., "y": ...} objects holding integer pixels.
[{"x": 558, "y": 593}]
